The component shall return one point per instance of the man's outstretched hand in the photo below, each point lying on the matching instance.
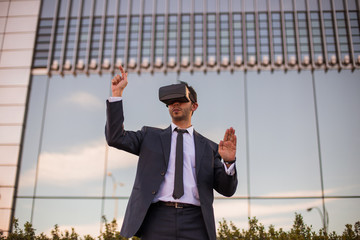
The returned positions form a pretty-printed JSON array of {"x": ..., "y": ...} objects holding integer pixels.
[
  {"x": 118, "y": 83},
  {"x": 227, "y": 147}
]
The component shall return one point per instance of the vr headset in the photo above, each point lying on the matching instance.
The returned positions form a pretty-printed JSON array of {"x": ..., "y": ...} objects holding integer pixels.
[{"x": 175, "y": 93}]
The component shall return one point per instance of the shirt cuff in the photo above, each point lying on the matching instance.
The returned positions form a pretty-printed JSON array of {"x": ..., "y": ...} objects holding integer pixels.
[
  {"x": 114, "y": 99},
  {"x": 230, "y": 170}
]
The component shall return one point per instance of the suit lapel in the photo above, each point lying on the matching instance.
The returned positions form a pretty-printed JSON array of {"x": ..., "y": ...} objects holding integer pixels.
[
  {"x": 199, "y": 150},
  {"x": 166, "y": 144}
]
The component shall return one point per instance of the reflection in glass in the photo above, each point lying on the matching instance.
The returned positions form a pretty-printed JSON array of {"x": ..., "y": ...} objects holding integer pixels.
[
  {"x": 339, "y": 117},
  {"x": 72, "y": 155},
  {"x": 83, "y": 216},
  {"x": 282, "y": 134},
  {"x": 32, "y": 135}
]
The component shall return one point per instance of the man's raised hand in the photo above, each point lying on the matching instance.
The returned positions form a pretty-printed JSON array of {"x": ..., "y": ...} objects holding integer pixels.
[
  {"x": 118, "y": 83},
  {"x": 227, "y": 147}
]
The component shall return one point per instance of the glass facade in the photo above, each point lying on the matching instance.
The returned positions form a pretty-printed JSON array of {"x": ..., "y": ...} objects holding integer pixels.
[
  {"x": 277, "y": 35},
  {"x": 284, "y": 76}
]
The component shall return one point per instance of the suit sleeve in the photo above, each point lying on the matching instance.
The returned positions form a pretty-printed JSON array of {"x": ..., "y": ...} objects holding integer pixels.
[
  {"x": 223, "y": 183},
  {"x": 116, "y": 135}
]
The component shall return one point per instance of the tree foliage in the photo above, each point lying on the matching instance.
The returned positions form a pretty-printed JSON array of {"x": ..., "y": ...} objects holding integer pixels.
[{"x": 226, "y": 231}]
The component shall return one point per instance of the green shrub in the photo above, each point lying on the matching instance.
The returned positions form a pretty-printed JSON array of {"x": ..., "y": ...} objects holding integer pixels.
[
  {"x": 226, "y": 231},
  {"x": 299, "y": 231}
]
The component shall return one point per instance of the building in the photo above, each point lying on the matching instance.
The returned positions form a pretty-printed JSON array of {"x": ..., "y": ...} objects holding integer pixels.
[{"x": 284, "y": 73}]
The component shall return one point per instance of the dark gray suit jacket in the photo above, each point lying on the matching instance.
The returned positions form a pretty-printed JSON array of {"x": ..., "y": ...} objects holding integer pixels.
[{"x": 152, "y": 145}]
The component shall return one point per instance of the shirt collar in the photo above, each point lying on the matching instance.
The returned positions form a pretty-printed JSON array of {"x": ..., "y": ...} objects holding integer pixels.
[{"x": 189, "y": 129}]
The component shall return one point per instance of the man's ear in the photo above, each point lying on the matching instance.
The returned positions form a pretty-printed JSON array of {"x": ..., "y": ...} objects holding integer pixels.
[{"x": 194, "y": 106}]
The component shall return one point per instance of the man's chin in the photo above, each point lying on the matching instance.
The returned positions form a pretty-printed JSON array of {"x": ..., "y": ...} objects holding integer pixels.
[{"x": 177, "y": 117}]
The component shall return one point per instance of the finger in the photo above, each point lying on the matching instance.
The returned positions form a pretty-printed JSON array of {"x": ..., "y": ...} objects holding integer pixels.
[
  {"x": 226, "y": 135},
  {"x": 232, "y": 132},
  {"x": 122, "y": 71},
  {"x": 115, "y": 80}
]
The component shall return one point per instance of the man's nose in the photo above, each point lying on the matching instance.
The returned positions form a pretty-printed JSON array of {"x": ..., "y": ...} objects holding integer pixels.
[{"x": 177, "y": 103}]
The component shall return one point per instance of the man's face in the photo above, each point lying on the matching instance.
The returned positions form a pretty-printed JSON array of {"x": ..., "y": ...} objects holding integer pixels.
[{"x": 181, "y": 110}]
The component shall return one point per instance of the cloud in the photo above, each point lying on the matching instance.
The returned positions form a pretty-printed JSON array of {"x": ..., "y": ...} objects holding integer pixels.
[
  {"x": 85, "y": 100},
  {"x": 79, "y": 165}
]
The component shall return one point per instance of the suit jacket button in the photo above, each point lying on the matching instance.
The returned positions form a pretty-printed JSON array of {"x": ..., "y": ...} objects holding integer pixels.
[
  {"x": 153, "y": 192},
  {"x": 162, "y": 174}
]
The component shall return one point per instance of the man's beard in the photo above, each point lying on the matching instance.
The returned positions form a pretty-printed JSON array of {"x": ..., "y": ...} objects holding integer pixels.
[{"x": 183, "y": 116}]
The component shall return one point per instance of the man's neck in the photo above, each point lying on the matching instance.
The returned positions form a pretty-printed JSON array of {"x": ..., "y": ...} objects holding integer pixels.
[{"x": 183, "y": 124}]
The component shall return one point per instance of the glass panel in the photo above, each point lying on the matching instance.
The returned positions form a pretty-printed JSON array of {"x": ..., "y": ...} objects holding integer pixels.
[
  {"x": 32, "y": 136},
  {"x": 85, "y": 216},
  {"x": 121, "y": 36},
  {"x": 23, "y": 210},
  {"x": 250, "y": 35},
  {"x": 70, "y": 140},
  {"x": 211, "y": 32},
  {"x": 146, "y": 38},
  {"x": 282, "y": 134},
  {"x": 115, "y": 209},
  {"x": 237, "y": 30},
  {"x": 354, "y": 23},
  {"x": 343, "y": 34},
  {"x": 237, "y": 213},
  {"x": 281, "y": 213},
  {"x": 339, "y": 130},
  {"x": 172, "y": 37},
  {"x": 345, "y": 210},
  {"x": 277, "y": 37},
  {"x": 224, "y": 36},
  {"x": 264, "y": 36},
  {"x": 290, "y": 35},
  {"x": 108, "y": 38},
  {"x": 42, "y": 46},
  {"x": 133, "y": 40},
  {"x": 316, "y": 34},
  {"x": 198, "y": 37},
  {"x": 185, "y": 36}
]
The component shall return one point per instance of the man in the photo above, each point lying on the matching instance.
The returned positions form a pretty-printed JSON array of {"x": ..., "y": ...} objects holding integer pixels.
[{"x": 161, "y": 206}]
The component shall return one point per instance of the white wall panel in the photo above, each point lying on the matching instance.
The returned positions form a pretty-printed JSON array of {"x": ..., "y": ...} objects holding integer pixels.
[
  {"x": 14, "y": 76},
  {"x": 12, "y": 114},
  {"x": 13, "y": 95},
  {"x": 9, "y": 155},
  {"x": 16, "y": 58},
  {"x": 6, "y": 197},
  {"x": 13, "y": 41},
  {"x": 21, "y": 24},
  {"x": 18, "y": 8},
  {"x": 10, "y": 135},
  {"x": 1, "y": 39},
  {"x": 7, "y": 175},
  {"x": 4, "y": 218},
  {"x": 4, "y": 7},
  {"x": 2, "y": 24}
]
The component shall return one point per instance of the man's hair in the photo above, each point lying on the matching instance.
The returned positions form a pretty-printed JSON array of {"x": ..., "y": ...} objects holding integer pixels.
[{"x": 193, "y": 95}]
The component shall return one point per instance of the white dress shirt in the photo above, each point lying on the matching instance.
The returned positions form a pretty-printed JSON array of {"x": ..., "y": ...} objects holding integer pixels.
[{"x": 191, "y": 194}]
